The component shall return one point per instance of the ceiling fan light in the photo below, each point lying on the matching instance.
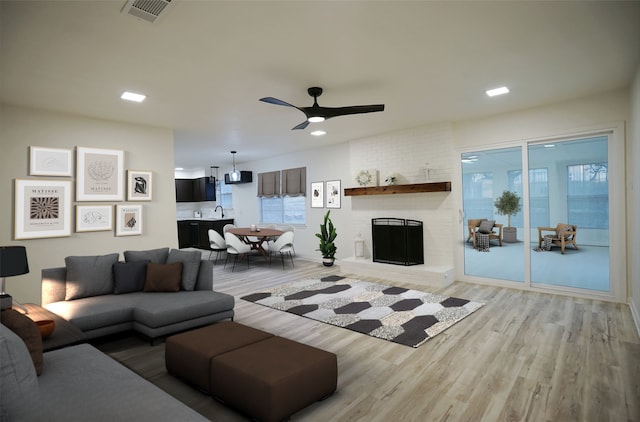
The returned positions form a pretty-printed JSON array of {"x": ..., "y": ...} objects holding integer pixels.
[{"x": 316, "y": 119}]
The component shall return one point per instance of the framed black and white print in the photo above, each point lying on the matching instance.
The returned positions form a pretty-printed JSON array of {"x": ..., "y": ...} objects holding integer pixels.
[
  {"x": 99, "y": 174},
  {"x": 139, "y": 185},
  {"x": 317, "y": 195},
  {"x": 50, "y": 162},
  {"x": 128, "y": 220},
  {"x": 42, "y": 209},
  {"x": 333, "y": 193},
  {"x": 94, "y": 218}
]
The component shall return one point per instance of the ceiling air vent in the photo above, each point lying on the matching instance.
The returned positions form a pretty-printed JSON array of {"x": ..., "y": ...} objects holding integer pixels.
[{"x": 148, "y": 10}]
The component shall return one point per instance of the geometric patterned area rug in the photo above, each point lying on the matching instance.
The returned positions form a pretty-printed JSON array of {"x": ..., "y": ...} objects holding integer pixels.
[{"x": 396, "y": 314}]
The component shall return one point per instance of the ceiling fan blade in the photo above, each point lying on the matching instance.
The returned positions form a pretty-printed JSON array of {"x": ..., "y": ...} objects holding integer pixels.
[
  {"x": 328, "y": 112},
  {"x": 302, "y": 125},
  {"x": 276, "y": 101}
]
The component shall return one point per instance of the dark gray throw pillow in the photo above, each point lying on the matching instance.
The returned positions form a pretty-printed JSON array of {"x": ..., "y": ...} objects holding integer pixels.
[
  {"x": 129, "y": 276},
  {"x": 486, "y": 226},
  {"x": 157, "y": 256},
  {"x": 89, "y": 275},
  {"x": 190, "y": 266}
]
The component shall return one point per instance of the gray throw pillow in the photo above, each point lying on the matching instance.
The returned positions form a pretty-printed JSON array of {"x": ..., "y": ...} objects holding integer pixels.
[
  {"x": 190, "y": 266},
  {"x": 486, "y": 226},
  {"x": 157, "y": 256},
  {"x": 89, "y": 275},
  {"x": 129, "y": 276}
]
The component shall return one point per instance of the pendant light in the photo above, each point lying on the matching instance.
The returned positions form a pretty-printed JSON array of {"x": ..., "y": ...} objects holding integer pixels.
[
  {"x": 234, "y": 176},
  {"x": 214, "y": 179}
]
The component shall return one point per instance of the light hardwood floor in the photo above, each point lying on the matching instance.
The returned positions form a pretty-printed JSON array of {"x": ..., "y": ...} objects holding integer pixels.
[{"x": 523, "y": 357}]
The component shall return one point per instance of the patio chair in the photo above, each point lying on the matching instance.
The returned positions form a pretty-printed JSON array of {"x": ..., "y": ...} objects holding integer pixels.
[
  {"x": 489, "y": 227},
  {"x": 561, "y": 235}
]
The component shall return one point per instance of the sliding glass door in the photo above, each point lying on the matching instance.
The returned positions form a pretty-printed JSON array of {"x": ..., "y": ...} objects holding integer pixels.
[
  {"x": 570, "y": 187},
  {"x": 564, "y": 199},
  {"x": 485, "y": 176}
]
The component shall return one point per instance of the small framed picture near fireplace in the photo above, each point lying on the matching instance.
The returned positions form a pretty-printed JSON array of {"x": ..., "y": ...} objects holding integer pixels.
[
  {"x": 333, "y": 193},
  {"x": 317, "y": 195}
]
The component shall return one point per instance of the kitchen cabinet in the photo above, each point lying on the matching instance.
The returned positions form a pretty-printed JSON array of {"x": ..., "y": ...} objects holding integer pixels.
[
  {"x": 195, "y": 190},
  {"x": 195, "y": 233}
]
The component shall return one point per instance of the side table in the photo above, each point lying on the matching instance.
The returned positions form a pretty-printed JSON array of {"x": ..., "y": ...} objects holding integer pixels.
[{"x": 64, "y": 334}]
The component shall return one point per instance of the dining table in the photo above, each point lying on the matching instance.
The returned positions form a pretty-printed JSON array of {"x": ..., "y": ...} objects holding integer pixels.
[{"x": 256, "y": 237}]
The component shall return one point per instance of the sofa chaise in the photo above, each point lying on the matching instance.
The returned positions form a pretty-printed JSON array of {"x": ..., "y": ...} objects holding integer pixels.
[
  {"x": 77, "y": 383},
  {"x": 155, "y": 292}
]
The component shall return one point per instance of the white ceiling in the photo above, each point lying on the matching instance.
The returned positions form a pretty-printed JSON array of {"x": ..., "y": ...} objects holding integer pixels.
[{"x": 205, "y": 64}]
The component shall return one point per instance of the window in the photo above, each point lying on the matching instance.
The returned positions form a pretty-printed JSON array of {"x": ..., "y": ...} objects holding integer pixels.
[
  {"x": 478, "y": 194},
  {"x": 290, "y": 208},
  {"x": 224, "y": 195},
  {"x": 588, "y": 195},
  {"x": 538, "y": 196},
  {"x": 283, "y": 210}
]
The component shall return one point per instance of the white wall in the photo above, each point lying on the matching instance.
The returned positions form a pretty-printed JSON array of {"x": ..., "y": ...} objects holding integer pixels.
[{"x": 145, "y": 148}]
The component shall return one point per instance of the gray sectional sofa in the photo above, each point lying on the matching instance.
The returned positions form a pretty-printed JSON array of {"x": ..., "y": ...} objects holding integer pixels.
[
  {"x": 78, "y": 383},
  {"x": 101, "y": 295}
]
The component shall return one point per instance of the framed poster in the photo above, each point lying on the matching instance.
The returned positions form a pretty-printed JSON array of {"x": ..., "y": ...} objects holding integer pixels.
[
  {"x": 99, "y": 174},
  {"x": 94, "y": 218},
  {"x": 128, "y": 220},
  {"x": 42, "y": 209},
  {"x": 317, "y": 195},
  {"x": 333, "y": 194},
  {"x": 50, "y": 162},
  {"x": 139, "y": 186}
]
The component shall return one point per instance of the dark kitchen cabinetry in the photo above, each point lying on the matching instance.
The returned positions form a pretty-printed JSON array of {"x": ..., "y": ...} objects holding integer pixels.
[
  {"x": 195, "y": 233},
  {"x": 195, "y": 190}
]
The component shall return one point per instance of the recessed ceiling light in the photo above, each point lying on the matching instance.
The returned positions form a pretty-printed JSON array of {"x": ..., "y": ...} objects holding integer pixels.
[
  {"x": 179, "y": 168},
  {"x": 132, "y": 96},
  {"x": 497, "y": 91},
  {"x": 318, "y": 133}
]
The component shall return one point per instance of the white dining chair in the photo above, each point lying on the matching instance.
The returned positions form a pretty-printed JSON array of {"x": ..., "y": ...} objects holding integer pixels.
[
  {"x": 283, "y": 245},
  {"x": 291, "y": 229},
  {"x": 236, "y": 247},
  {"x": 216, "y": 244},
  {"x": 227, "y": 227}
]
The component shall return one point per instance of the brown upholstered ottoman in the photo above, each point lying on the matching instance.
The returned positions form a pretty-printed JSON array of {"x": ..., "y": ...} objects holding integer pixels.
[
  {"x": 188, "y": 355},
  {"x": 272, "y": 379}
]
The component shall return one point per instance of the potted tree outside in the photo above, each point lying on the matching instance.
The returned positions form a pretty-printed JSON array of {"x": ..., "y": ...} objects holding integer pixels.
[
  {"x": 327, "y": 236},
  {"x": 508, "y": 204}
]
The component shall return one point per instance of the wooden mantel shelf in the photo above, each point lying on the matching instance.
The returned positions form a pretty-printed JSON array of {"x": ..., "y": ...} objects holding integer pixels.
[{"x": 387, "y": 190}]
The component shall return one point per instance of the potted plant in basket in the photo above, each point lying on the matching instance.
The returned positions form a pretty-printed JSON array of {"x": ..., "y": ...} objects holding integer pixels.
[
  {"x": 327, "y": 235},
  {"x": 508, "y": 204}
]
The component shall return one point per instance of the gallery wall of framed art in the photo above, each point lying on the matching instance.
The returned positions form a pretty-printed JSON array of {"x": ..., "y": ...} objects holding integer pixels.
[{"x": 44, "y": 208}]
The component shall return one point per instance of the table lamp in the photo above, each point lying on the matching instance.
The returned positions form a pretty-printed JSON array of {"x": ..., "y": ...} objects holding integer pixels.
[{"x": 13, "y": 261}]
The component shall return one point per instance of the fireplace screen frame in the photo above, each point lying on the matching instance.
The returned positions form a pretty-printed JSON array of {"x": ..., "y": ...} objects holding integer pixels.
[{"x": 397, "y": 241}]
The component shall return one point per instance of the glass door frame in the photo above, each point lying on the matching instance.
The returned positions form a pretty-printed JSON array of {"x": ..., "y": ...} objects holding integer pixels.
[{"x": 617, "y": 215}]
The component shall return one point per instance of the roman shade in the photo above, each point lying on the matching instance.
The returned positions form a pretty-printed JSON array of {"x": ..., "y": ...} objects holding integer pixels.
[
  {"x": 294, "y": 181},
  {"x": 269, "y": 184}
]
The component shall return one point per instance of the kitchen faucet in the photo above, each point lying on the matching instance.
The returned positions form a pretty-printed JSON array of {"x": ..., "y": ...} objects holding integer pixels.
[{"x": 221, "y": 210}]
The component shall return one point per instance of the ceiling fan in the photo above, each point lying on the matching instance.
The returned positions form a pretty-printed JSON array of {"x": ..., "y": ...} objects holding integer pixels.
[{"x": 315, "y": 113}]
